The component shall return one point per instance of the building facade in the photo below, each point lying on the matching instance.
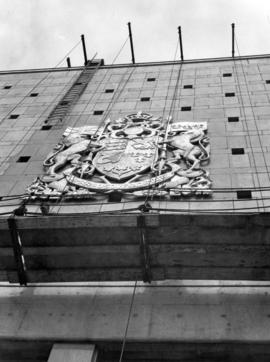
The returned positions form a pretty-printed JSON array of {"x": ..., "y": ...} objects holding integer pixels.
[{"x": 129, "y": 173}]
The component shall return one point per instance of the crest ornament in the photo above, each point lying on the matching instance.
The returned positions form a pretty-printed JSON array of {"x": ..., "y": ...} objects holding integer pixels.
[{"x": 135, "y": 155}]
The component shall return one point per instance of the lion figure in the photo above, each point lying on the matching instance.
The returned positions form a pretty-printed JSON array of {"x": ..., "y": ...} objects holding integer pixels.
[{"x": 193, "y": 146}]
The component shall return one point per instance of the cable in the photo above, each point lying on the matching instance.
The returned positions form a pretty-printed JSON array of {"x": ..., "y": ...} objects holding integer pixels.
[
  {"x": 35, "y": 86},
  {"x": 166, "y": 130},
  {"x": 47, "y": 75},
  {"x": 214, "y": 190},
  {"x": 128, "y": 321},
  {"x": 146, "y": 286},
  {"x": 160, "y": 209},
  {"x": 111, "y": 103},
  {"x": 117, "y": 55},
  {"x": 245, "y": 119}
]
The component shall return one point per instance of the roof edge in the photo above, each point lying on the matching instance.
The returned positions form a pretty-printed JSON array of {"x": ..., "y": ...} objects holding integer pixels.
[{"x": 140, "y": 64}]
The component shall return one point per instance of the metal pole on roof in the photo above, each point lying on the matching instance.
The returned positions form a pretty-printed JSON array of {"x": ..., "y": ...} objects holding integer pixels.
[
  {"x": 131, "y": 43},
  {"x": 68, "y": 62},
  {"x": 180, "y": 42},
  {"x": 233, "y": 25},
  {"x": 84, "y": 49}
]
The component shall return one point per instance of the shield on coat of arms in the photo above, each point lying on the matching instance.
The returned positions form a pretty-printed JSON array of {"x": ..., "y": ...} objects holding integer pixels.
[{"x": 123, "y": 158}]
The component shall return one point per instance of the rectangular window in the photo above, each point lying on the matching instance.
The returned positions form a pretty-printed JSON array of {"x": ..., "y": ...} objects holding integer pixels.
[
  {"x": 98, "y": 113},
  {"x": 33, "y": 94},
  {"x": 109, "y": 90},
  {"x": 7, "y": 86},
  {"x": 188, "y": 86},
  {"x": 64, "y": 103},
  {"x": 184, "y": 109},
  {"x": 227, "y": 75},
  {"x": 230, "y": 94},
  {"x": 46, "y": 128},
  {"x": 23, "y": 158},
  {"x": 145, "y": 99},
  {"x": 267, "y": 81},
  {"x": 13, "y": 116},
  {"x": 238, "y": 151},
  {"x": 244, "y": 194},
  {"x": 233, "y": 119},
  {"x": 151, "y": 79}
]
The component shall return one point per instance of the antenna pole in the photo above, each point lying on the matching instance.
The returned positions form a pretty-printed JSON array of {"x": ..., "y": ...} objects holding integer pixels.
[
  {"x": 68, "y": 62},
  {"x": 84, "y": 50},
  {"x": 180, "y": 42},
  {"x": 131, "y": 43},
  {"x": 233, "y": 25}
]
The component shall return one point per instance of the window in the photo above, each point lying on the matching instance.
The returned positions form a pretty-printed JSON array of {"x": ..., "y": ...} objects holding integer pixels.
[
  {"x": 13, "y": 116},
  {"x": 244, "y": 194},
  {"x": 78, "y": 83},
  {"x": 151, "y": 79},
  {"x": 46, "y": 128},
  {"x": 23, "y": 158},
  {"x": 7, "y": 86},
  {"x": 188, "y": 86},
  {"x": 238, "y": 151},
  {"x": 109, "y": 90},
  {"x": 233, "y": 119},
  {"x": 33, "y": 94},
  {"x": 145, "y": 99},
  {"x": 64, "y": 103},
  {"x": 185, "y": 109},
  {"x": 97, "y": 113},
  {"x": 267, "y": 81},
  {"x": 230, "y": 94},
  {"x": 227, "y": 75}
]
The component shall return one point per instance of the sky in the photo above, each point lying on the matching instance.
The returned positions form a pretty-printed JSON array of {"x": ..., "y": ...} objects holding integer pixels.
[{"x": 41, "y": 33}]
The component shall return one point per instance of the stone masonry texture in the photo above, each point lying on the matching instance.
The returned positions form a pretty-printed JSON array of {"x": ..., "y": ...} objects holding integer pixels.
[{"x": 22, "y": 116}]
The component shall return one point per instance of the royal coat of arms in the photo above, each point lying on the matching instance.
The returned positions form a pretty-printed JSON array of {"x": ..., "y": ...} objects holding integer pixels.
[{"x": 135, "y": 155}]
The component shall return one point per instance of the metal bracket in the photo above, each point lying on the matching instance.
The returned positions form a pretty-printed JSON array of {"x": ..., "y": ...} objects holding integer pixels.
[
  {"x": 17, "y": 249},
  {"x": 145, "y": 207},
  {"x": 144, "y": 249}
]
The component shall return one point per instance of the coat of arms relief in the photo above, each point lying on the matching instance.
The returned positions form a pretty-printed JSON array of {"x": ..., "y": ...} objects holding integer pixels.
[{"x": 137, "y": 155}]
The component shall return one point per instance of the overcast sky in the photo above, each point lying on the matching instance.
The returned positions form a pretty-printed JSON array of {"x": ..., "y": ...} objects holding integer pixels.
[{"x": 39, "y": 33}]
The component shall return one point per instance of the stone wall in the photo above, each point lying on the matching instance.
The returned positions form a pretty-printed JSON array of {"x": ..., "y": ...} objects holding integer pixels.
[{"x": 240, "y": 121}]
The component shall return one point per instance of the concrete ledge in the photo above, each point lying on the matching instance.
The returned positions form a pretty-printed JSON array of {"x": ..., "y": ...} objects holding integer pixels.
[{"x": 169, "y": 321}]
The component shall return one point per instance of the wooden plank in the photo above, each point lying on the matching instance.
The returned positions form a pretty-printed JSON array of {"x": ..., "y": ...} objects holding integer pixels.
[
  {"x": 151, "y": 220},
  {"x": 76, "y": 221},
  {"x": 3, "y": 276},
  {"x": 3, "y": 224},
  {"x": 162, "y": 255},
  {"x": 103, "y": 256},
  {"x": 73, "y": 353},
  {"x": 79, "y": 237},
  {"x": 209, "y": 256},
  {"x": 182, "y": 246},
  {"x": 162, "y": 235},
  {"x": 5, "y": 239},
  {"x": 214, "y": 273},
  {"x": 131, "y": 274},
  {"x": 77, "y": 275},
  {"x": 7, "y": 260},
  {"x": 173, "y": 228},
  {"x": 212, "y": 220}
]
